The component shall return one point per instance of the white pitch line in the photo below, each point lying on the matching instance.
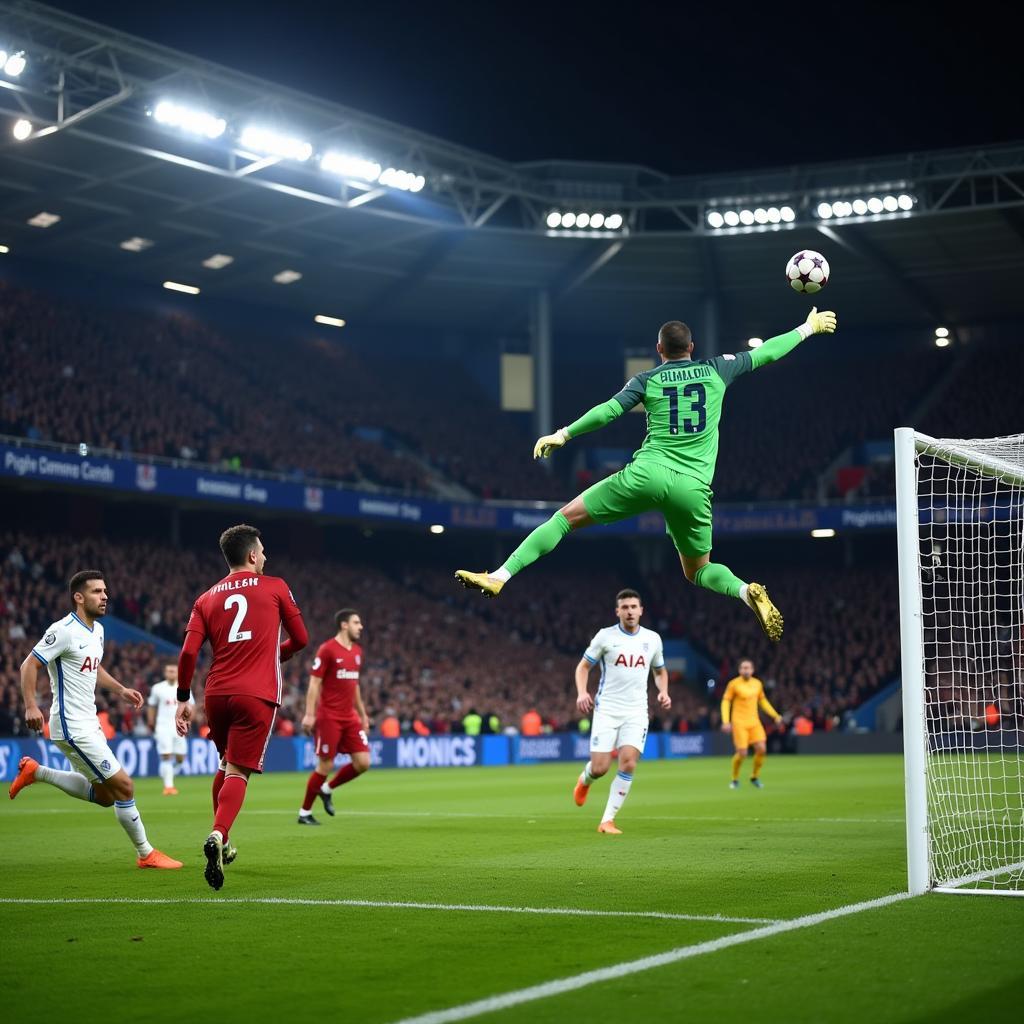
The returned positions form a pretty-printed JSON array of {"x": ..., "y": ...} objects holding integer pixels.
[
  {"x": 647, "y": 963},
  {"x": 389, "y": 905}
]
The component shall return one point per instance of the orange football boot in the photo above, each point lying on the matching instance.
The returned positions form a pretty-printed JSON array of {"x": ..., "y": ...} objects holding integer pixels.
[
  {"x": 609, "y": 829},
  {"x": 579, "y": 794},
  {"x": 170, "y": 791},
  {"x": 156, "y": 859},
  {"x": 26, "y": 776}
]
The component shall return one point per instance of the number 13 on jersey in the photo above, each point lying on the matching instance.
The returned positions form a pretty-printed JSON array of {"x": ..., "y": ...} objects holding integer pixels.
[{"x": 696, "y": 417}]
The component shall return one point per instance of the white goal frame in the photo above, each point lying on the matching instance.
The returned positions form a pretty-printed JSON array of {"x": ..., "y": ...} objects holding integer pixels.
[{"x": 909, "y": 443}]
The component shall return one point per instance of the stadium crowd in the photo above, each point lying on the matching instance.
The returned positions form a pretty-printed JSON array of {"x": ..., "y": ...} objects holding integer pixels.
[{"x": 434, "y": 651}]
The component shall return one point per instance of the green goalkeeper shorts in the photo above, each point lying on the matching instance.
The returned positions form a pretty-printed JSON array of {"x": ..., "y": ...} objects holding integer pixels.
[{"x": 646, "y": 487}]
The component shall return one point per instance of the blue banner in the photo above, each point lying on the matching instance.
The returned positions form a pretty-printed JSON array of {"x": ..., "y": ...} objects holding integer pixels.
[
  {"x": 138, "y": 755},
  {"x": 27, "y": 461}
]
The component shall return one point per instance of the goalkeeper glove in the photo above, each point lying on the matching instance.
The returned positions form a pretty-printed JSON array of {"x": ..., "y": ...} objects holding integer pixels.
[
  {"x": 542, "y": 449},
  {"x": 818, "y": 323}
]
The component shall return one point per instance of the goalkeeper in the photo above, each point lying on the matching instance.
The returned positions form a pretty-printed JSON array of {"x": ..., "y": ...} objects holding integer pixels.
[{"x": 673, "y": 469}]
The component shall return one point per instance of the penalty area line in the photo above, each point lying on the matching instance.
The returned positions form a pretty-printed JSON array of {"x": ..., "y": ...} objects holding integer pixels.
[
  {"x": 287, "y": 901},
  {"x": 577, "y": 981}
]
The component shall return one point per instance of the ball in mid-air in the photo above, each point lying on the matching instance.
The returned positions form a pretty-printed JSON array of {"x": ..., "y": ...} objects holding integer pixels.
[{"x": 807, "y": 272}]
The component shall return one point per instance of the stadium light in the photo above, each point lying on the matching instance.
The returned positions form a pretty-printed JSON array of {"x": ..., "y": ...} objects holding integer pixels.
[
  {"x": 761, "y": 215},
  {"x": 891, "y": 204},
  {"x": 4, "y": 250},
  {"x": 189, "y": 119},
  {"x": 22, "y": 129},
  {"x": 941, "y": 332},
  {"x": 136, "y": 244},
  {"x": 218, "y": 261},
  {"x": 774, "y": 215},
  {"x": 715, "y": 219},
  {"x": 437, "y": 528},
  {"x": 14, "y": 63},
  {"x": 613, "y": 222},
  {"x": 584, "y": 220},
  {"x": 271, "y": 143},
  {"x": 875, "y": 205},
  {"x": 348, "y": 166},
  {"x": 554, "y": 218},
  {"x": 941, "y": 342},
  {"x": 905, "y": 202},
  {"x": 788, "y": 214},
  {"x": 568, "y": 220},
  {"x": 404, "y": 180},
  {"x": 43, "y": 220},
  {"x": 731, "y": 217},
  {"x": 747, "y": 217},
  {"x": 823, "y": 533},
  {"x": 174, "y": 286},
  {"x": 755, "y": 342},
  {"x": 329, "y": 321},
  {"x": 597, "y": 220},
  {"x": 860, "y": 207},
  {"x": 287, "y": 277},
  {"x": 824, "y": 210}
]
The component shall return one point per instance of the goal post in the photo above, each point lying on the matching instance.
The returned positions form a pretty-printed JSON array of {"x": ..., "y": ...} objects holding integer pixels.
[{"x": 960, "y": 543}]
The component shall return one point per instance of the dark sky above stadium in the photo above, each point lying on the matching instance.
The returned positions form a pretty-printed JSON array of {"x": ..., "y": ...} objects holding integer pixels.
[{"x": 678, "y": 87}]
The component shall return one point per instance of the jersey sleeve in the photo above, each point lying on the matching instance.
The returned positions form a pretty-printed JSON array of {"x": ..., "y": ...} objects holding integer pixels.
[
  {"x": 196, "y": 621},
  {"x": 596, "y": 649},
  {"x": 632, "y": 394},
  {"x": 286, "y": 602},
  {"x": 52, "y": 644},
  {"x": 658, "y": 661},
  {"x": 154, "y": 698},
  {"x": 729, "y": 367},
  {"x": 319, "y": 667}
]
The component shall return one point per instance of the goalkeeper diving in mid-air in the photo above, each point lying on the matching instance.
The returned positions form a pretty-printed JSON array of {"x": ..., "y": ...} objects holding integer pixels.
[{"x": 672, "y": 471}]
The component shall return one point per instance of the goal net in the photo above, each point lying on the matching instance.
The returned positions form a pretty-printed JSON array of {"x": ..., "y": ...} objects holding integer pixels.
[{"x": 961, "y": 553}]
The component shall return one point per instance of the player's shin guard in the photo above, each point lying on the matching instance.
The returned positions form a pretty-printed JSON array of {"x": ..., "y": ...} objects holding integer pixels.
[
  {"x": 617, "y": 795},
  {"x": 232, "y": 796},
  {"x": 131, "y": 821},
  {"x": 313, "y": 784},
  {"x": 719, "y": 578},
  {"x": 737, "y": 760},
  {"x": 539, "y": 543},
  {"x": 346, "y": 773},
  {"x": 218, "y": 781},
  {"x": 758, "y": 761},
  {"x": 71, "y": 783}
]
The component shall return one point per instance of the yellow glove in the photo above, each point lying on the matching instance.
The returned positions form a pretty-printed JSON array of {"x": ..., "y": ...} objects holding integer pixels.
[
  {"x": 821, "y": 323},
  {"x": 542, "y": 449}
]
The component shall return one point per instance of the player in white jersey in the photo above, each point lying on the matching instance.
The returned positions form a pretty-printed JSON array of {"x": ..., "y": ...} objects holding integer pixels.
[
  {"x": 627, "y": 653},
  {"x": 172, "y": 748},
  {"x": 71, "y": 649}
]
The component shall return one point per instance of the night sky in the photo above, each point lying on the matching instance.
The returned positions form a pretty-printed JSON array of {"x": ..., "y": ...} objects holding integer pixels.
[{"x": 714, "y": 87}]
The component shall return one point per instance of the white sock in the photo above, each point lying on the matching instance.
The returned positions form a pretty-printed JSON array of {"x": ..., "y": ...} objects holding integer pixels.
[
  {"x": 303, "y": 813},
  {"x": 167, "y": 774},
  {"x": 617, "y": 795},
  {"x": 326, "y": 790},
  {"x": 501, "y": 574},
  {"x": 743, "y": 596},
  {"x": 71, "y": 783},
  {"x": 131, "y": 822},
  {"x": 178, "y": 765},
  {"x": 585, "y": 776}
]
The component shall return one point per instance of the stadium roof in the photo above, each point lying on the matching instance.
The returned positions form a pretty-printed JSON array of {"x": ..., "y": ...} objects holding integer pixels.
[{"x": 469, "y": 248}]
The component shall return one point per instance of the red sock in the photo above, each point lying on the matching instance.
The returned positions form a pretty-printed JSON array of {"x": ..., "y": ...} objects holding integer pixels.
[
  {"x": 232, "y": 795},
  {"x": 316, "y": 780},
  {"x": 346, "y": 773},
  {"x": 218, "y": 781}
]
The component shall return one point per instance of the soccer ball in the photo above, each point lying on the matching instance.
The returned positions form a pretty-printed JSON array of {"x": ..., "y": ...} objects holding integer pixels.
[{"x": 807, "y": 272}]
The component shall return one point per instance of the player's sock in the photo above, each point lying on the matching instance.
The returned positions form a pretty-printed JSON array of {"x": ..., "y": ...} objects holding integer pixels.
[
  {"x": 346, "y": 773},
  {"x": 719, "y": 578},
  {"x": 586, "y": 777},
  {"x": 167, "y": 774},
  {"x": 543, "y": 540},
  {"x": 131, "y": 821},
  {"x": 617, "y": 795},
  {"x": 758, "y": 761},
  {"x": 218, "y": 781},
  {"x": 71, "y": 783},
  {"x": 313, "y": 784},
  {"x": 229, "y": 803},
  {"x": 737, "y": 760}
]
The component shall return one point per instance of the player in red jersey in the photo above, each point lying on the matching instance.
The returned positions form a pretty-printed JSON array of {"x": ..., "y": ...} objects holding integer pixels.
[
  {"x": 335, "y": 710},
  {"x": 241, "y": 616}
]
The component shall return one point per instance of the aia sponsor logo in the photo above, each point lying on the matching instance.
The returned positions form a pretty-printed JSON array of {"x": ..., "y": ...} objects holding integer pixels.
[
  {"x": 145, "y": 478},
  {"x": 631, "y": 660}
]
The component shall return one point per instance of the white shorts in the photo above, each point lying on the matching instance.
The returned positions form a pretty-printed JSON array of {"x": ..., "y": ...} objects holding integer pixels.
[
  {"x": 86, "y": 748},
  {"x": 170, "y": 743},
  {"x": 612, "y": 730}
]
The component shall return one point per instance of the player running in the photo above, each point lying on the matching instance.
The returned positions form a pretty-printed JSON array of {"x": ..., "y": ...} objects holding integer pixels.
[
  {"x": 172, "y": 748},
  {"x": 241, "y": 616},
  {"x": 742, "y": 697},
  {"x": 72, "y": 649},
  {"x": 335, "y": 713},
  {"x": 627, "y": 653},
  {"x": 673, "y": 469}
]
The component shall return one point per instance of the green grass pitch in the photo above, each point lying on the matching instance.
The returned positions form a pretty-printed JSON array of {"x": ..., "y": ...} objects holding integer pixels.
[{"x": 824, "y": 833}]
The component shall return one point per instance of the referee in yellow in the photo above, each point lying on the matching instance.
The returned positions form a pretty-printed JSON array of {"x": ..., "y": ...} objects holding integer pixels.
[{"x": 742, "y": 697}]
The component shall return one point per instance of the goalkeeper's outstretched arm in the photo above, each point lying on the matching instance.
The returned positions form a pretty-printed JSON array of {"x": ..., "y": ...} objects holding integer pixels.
[
  {"x": 600, "y": 416},
  {"x": 775, "y": 348}
]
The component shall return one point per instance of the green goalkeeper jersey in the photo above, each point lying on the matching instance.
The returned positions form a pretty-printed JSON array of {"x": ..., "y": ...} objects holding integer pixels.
[{"x": 683, "y": 400}]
